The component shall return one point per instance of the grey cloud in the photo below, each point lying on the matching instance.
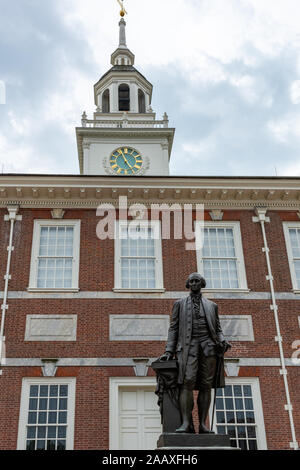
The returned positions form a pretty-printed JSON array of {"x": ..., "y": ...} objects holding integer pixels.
[
  {"x": 241, "y": 143},
  {"x": 35, "y": 46}
]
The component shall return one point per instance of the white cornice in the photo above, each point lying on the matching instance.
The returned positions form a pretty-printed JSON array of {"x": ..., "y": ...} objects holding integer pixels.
[{"x": 68, "y": 191}]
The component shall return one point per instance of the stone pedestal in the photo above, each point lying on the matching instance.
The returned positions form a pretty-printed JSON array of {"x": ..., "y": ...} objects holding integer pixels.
[
  {"x": 182, "y": 441},
  {"x": 168, "y": 393}
]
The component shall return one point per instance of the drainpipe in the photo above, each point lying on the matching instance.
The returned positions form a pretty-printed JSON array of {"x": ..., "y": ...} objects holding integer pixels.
[
  {"x": 261, "y": 218},
  {"x": 12, "y": 217}
]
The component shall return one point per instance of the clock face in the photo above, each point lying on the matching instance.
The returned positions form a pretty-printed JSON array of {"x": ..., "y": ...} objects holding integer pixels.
[{"x": 126, "y": 161}]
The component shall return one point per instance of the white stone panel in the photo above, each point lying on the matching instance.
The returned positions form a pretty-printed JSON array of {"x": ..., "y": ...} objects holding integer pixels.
[
  {"x": 237, "y": 327},
  {"x": 139, "y": 327},
  {"x": 51, "y": 328}
]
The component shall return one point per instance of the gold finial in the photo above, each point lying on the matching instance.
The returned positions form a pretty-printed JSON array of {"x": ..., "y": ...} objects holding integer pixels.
[{"x": 123, "y": 12}]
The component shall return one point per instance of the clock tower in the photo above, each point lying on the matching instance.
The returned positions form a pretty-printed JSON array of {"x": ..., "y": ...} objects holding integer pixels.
[{"x": 124, "y": 138}]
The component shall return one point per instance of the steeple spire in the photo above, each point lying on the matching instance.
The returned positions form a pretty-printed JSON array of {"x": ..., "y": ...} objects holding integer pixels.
[
  {"x": 122, "y": 56},
  {"x": 122, "y": 41}
]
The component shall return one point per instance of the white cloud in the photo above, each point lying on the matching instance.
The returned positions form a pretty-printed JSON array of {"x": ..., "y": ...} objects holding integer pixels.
[
  {"x": 22, "y": 125},
  {"x": 198, "y": 150},
  {"x": 209, "y": 42},
  {"x": 291, "y": 169},
  {"x": 14, "y": 159},
  {"x": 295, "y": 92},
  {"x": 184, "y": 31},
  {"x": 285, "y": 128},
  {"x": 65, "y": 105}
]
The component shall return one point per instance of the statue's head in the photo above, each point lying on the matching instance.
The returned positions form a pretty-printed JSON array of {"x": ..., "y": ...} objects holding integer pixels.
[{"x": 195, "y": 282}]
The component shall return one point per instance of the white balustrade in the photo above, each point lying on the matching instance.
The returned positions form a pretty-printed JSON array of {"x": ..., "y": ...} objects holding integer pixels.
[{"x": 124, "y": 123}]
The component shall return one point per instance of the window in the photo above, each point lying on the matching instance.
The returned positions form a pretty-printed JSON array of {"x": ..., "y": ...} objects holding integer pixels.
[
  {"x": 47, "y": 414},
  {"x": 55, "y": 255},
  {"x": 124, "y": 98},
  {"x": 105, "y": 102},
  {"x": 138, "y": 256},
  {"x": 239, "y": 414},
  {"x": 142, "y": 105},
  {"x": 292, "y": 239},
  {"x": 221, "y": 257}
]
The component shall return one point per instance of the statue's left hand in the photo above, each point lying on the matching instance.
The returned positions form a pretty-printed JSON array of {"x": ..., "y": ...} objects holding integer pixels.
[
  {"x": 226, "y": 346},
  {"x": 166, "y": 356},
  {"x": 223, "y": 347}
]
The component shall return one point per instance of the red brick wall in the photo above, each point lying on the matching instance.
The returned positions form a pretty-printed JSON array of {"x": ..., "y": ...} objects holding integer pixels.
[
  {"x": 93, "y": 327},
  {"x": 92, "y": 404},
  {"x": 97, "y": 274},
  {"x": 97, "y": 256}
]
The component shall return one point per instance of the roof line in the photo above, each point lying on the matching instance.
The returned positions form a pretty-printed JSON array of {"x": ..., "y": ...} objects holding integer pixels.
[{"x": 153, "y": 176}]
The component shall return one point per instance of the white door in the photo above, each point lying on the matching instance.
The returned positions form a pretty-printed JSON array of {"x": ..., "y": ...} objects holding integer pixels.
[{"x": 139, "y": 418}]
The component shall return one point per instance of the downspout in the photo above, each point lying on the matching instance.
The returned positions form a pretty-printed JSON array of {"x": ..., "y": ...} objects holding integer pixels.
[
  {"x": 261, "y": 217},
  {"x": 12, "y": 217}
]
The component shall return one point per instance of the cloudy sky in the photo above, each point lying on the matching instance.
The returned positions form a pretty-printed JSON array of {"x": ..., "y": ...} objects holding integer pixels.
[{"x": 227, "y": 72}]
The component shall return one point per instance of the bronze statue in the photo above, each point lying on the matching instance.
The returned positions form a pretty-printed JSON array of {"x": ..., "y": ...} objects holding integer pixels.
[{"x": 196, "y": 339}]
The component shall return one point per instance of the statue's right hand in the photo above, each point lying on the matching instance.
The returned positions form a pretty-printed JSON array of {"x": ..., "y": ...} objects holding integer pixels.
[{"x": 166, "y": 357}]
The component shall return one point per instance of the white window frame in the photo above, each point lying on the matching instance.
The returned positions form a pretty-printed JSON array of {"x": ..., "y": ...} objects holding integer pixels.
[
  {"x": 286, "y": 227},
  {"x": 257, "y": 405},
  {"x": 159, "y": 286},
  {"x": 24, "y": 406},
  {"x": 115, "y": 383},
  {"x": 235, "y": 226},
  {"x": 38, "y": 224}
]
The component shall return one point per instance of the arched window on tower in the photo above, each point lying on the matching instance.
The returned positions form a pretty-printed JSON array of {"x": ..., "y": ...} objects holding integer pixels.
[
  {"x": 142, "y": 104},
  {"x": 105, "y": 102},
  {"x": 124, "y": 97}
]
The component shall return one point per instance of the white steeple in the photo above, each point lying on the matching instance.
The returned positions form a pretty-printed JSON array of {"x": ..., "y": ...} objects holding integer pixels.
[
  {"x": 123, "y": 88},
  {"x": 122, "y": 55},
  {"x": 124, "y": 119},
  {"x": 122, "y": 41}
]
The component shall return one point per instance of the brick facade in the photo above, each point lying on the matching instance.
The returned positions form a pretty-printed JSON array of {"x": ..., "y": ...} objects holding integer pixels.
[{"x": 97, "y": 275}]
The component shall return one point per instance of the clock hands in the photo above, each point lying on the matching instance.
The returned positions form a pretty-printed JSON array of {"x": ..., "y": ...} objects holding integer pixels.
[{"x": 125, "y": 159}]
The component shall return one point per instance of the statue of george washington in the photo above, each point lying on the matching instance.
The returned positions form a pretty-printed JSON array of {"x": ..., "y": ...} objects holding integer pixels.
[{"x": 196, "y": 339}]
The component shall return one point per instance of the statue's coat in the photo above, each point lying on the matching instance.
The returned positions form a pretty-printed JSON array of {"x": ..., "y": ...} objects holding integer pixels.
[{"x": 180, "y": 334}]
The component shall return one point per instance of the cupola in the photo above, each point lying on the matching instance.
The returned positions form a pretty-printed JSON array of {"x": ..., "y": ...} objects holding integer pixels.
[{"x": 123, "y": 88}]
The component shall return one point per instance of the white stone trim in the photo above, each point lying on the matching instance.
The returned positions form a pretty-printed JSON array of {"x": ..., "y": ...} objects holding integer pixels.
[
  {"x": 129, "y": 362},
  {"x": 232, "y": 368},
  {"x": 286, "y": 227},
  {"x": 242, "y": 318},
  {"x": 238, "y": 248},
  {"x": 141, "y": 294},
  {"x": 114, "y": 387},
  {"x": 158, "y": 291},
  {"x": 38, "y": 223},
  {"x": 26, "y": 382},
  {"x": 49, "y": 290},
  {"x": 158, "y": 255},
  {"x": 141, "y": 323},
  {"x": 57, "y": 323}
]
